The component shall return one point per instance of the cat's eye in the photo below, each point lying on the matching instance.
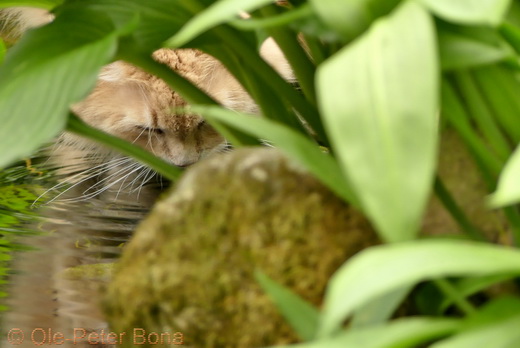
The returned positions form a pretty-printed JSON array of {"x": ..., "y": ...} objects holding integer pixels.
[{"x": 145, "y": 129}]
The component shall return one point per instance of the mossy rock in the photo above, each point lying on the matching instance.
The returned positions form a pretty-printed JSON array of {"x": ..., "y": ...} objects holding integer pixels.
[{"x": 190, "y": 266}]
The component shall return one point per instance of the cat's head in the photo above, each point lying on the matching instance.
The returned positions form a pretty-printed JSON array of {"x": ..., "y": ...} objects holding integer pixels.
[{"x": 142, "y": 109}]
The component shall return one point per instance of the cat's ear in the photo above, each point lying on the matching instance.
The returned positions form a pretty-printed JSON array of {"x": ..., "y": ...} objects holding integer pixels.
[
  {"x": 273, "y": 55},
  {"x": 112, "y": 72}
]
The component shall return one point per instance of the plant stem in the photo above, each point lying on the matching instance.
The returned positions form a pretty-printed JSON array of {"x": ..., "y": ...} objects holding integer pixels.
[
  {"x": 77, "y": 126},
  {"x": 450, "y": 291}
]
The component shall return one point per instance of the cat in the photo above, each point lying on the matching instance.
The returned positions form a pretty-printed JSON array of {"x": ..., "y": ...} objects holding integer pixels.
[
  {"x": 138, "y": 107},
  {"x": 107, "y": 191}
]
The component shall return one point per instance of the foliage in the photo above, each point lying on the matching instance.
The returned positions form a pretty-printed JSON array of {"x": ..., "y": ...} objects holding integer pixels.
[{"x": 375, "y": 75}]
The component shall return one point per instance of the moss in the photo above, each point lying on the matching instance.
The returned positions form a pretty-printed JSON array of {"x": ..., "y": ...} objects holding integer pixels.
[{"x": 190, "y": 267}]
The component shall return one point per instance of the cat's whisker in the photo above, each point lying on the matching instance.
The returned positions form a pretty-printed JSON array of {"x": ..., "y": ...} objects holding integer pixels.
[
  {"x": 90, "y": 173},
  {"x": 101, "y": 190},
  {"x": 111, "y": 176}
]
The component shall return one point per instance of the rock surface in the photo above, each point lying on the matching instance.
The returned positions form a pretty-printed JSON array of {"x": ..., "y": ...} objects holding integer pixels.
[{"x": 190, "y": 266}]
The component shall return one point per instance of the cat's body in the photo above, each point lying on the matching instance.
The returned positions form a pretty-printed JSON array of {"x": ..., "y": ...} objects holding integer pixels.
[{"x": 137, "y": 107}]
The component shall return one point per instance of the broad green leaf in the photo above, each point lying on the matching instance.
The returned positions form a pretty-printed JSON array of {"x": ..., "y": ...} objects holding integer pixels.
[
  {"x": 500, "y": 334},
  {"x": 458, "y": 51},
  {"x": 469, "y": 11},
  {"x": 383, "y": 269},
  {"x": 379, "y": 99},
  {"x": 47, "y": 4},
  {"x": 353, "y": 17},
  {"x": 218, "y": 13},
  {"x": 302, "y": 316},
  {"x": 401, "y": 333},
  {"x": 508, "y": 191},
  {"x": 158, "y": 19},
  {"x": 303, "y": 150},
  {"x": 46, "y": 72}
]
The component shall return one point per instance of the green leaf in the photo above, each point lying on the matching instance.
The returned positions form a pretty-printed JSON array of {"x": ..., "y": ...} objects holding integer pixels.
[
  {"x": 382, "y": 269},
  {"x": 218, "y": 13},
  {"x": 297, "y": 146},
  {"x": 500, "y": 334},
  {"x": 3, "y": 50},
  {"x": 353, "y": 17},
  {"x": 470, "y": 286},
  {"x": 401, "y": 333},
  {"x": 158, "y": 19},
  {"x": 380, "y": 309},
  {"x": 469, "y": 11},
  {"x": 47, "y": 4},
  {"x": 302, "y": 316},
  {"x": 37, "y": 89},
  {"x": 501, "y": 87},
  {"x": 508, "y": 191},
  {"x": 459, "y": 51},
  {"x": 379, "y": 101}
]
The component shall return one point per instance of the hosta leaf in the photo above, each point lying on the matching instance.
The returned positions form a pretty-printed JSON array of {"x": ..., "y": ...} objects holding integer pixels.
[
  {"x": 218, "y": 13},
  {"x": 351, "y": 18},
  {"x": 158, "y": 19},
  {"x": 458, "y": 51},
  {"x": 379, "y": 100},
  {"x": 469, "y": 11},
  {"x": 401, "y": 333},
  {"x": 383, "y": 269},
  {"x": 508, "y": 191},
  {"x": 37, "y": 89},
  {"x": 500, "y": 334}
]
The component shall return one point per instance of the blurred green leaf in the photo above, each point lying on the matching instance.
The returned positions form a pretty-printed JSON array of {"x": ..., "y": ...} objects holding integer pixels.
[
  {"x": 401, "y": 333},
  {"x": 380, "y": 309},
  {"x": 351, "y": 18},
  {"x": 382, "y": 269},
  {"x": 47, "y": 4},
  {"x": 294, "y": 144},
  {"x": 3, "y": 50},
  {"x": 470, "y": 286},
  {"x": 218, "y": 13},
  {"x": 500, "y": 87},
  {"x": 37, "y": 89},
  {"x": 508, "y": 191},
  {"x": 302, "y": 316},
  {"x": 469, "y": 11},
  {"x": 459, "y": 51},
  {"x": 499, "y": 334},
  {"x": 381, "y": 116},
  {"x": 158, "y": 19}
]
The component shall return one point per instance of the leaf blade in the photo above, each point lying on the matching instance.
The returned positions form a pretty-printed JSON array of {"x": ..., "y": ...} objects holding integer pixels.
[
  {"x": 469, "y": 11},
  {"x": 218, "y": 13},
  {"x": 383, "y": 269},
  {"x": 384, "y": 125}
]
